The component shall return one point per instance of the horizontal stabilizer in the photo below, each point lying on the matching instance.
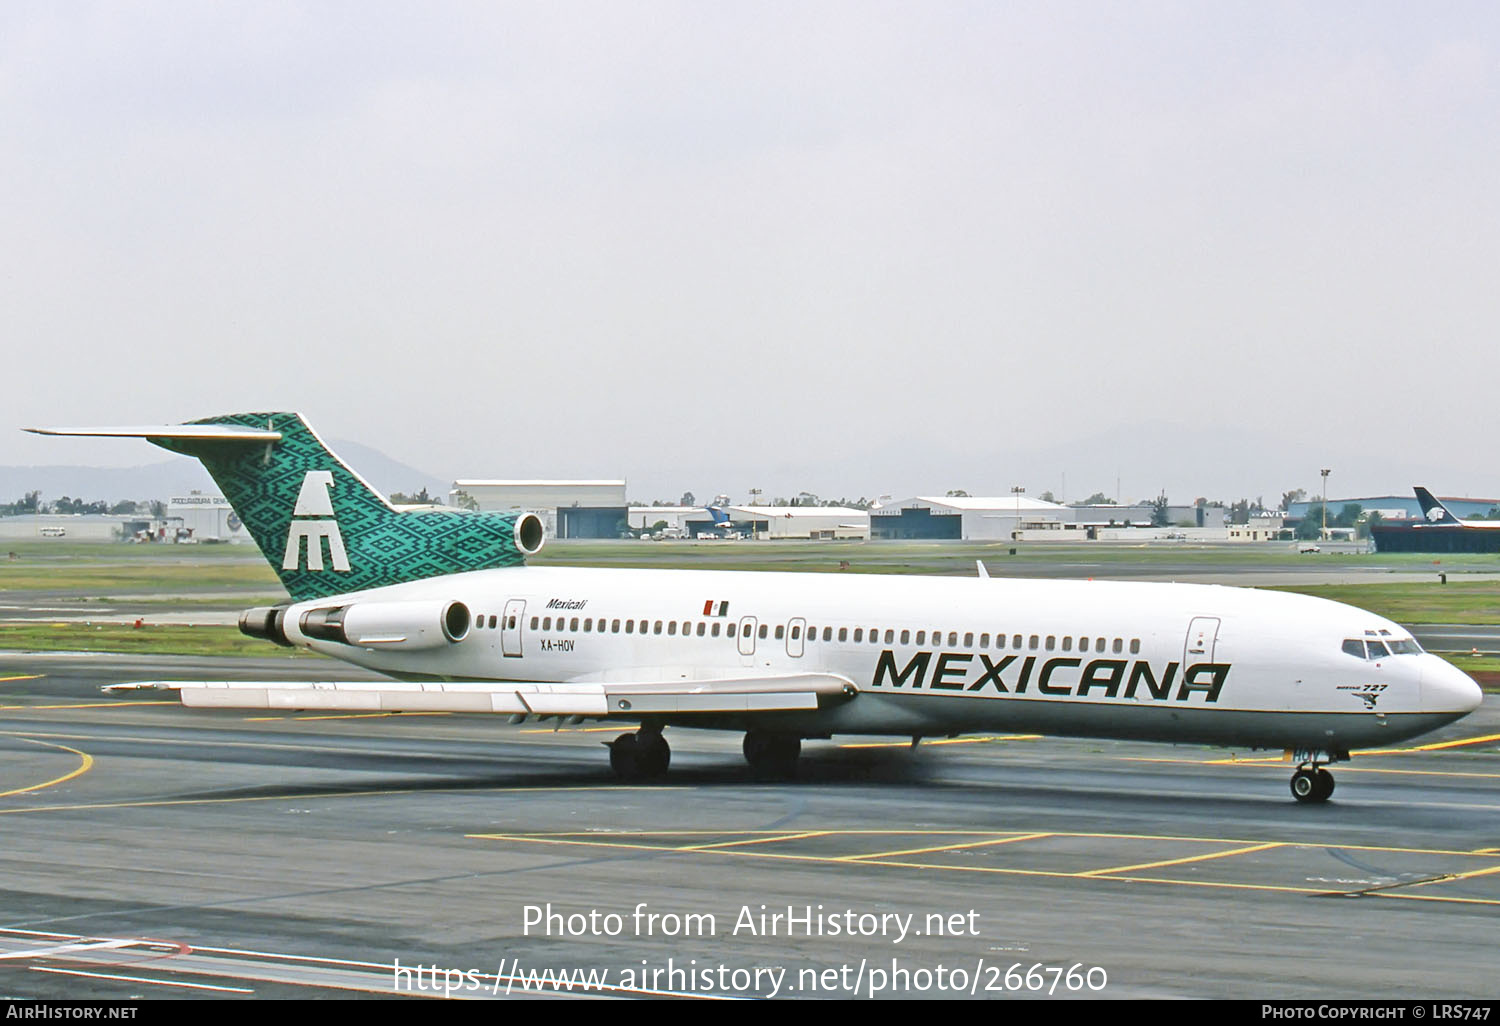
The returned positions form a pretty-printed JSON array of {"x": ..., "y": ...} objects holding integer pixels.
[
  {"x": 186, "y": 432},
  {"x": 630, "y": 700}
]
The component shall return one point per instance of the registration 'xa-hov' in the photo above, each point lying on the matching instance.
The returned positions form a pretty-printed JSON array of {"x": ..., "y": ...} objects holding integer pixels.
[{"x": 440, "y": 601}]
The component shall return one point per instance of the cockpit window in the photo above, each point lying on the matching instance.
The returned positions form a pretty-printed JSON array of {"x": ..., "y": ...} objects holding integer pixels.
[{"x": 1369, "y": 648}]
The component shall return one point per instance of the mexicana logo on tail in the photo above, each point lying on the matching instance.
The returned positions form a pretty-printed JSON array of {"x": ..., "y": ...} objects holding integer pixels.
[{"x": 314, "y": 501}]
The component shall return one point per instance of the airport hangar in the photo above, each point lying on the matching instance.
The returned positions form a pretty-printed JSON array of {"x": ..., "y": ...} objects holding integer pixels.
[
  {"x": 1000, "y": 518},
  {"x": 569, "y": 509},
  {"x": 826, "y": 523}
]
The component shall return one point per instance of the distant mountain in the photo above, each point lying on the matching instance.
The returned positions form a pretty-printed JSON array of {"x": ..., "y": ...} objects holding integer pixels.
[
  {"x": 387, "y": 474},
  {"x": 181, "y": 475}
]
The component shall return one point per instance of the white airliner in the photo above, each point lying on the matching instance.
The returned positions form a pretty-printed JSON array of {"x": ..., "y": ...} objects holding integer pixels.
[{"x": 440, "y": 601}]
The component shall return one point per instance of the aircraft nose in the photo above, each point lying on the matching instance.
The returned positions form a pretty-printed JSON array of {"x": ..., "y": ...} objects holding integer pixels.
[{"x": 1446, "y": 688}]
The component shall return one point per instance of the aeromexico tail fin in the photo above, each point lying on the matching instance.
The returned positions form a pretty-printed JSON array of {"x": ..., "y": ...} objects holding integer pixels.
[
  {"x": 1433, "y": 508},
  {"x": 323, "y": 529}
]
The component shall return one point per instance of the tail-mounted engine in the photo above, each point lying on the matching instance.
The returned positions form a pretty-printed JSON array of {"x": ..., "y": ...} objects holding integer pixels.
[{"x": 408, "y": 626}]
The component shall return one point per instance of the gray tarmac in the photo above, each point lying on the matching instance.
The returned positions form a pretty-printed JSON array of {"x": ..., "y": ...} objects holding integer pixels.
[{"x": 155, "y": 851}]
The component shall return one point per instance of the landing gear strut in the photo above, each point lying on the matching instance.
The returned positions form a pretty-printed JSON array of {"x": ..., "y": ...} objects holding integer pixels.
[
  {"x": 772, "y": 756},
  {"x": 1312, "y": 784},
  {"x": 641, "y": 755}
]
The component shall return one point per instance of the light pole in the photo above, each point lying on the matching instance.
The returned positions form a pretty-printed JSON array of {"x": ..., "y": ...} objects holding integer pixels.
[{"x": 1325, "y": 472}]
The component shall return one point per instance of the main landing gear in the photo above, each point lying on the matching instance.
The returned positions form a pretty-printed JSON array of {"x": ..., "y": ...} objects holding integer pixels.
[
  {"x": 772, "y": 756},
  {"x": 1312, "y": 783},
  {"x": 641, "y": 755}
]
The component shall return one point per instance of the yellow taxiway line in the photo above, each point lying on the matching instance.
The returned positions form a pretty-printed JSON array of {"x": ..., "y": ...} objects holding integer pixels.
[{"x": 86, "y": 763}]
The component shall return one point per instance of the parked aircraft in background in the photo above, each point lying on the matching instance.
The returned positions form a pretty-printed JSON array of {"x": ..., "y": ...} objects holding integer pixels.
[{"x": 1439, "y": 515}]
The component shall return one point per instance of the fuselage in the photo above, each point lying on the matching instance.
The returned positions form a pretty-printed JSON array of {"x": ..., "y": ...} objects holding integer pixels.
[{"x": 936, "y": 656}]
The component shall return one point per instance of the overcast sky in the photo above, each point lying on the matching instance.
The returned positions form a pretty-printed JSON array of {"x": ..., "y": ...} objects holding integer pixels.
[{"x": 855, "y": 248}]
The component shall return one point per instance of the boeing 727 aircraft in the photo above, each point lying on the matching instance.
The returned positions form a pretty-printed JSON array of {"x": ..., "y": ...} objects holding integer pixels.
[{"x": 440, "y": 601}]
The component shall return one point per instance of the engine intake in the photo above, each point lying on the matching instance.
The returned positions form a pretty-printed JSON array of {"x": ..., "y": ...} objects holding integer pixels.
[
  {"x": 530, "y": 533},
  {"x": 409, "y": 626}
]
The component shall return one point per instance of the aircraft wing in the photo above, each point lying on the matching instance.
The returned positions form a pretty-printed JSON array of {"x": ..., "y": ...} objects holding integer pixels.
[{"x": 625, "y": 699}]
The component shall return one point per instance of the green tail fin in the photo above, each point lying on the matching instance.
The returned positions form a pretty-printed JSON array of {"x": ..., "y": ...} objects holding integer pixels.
[{"x": 325, "y": 530}]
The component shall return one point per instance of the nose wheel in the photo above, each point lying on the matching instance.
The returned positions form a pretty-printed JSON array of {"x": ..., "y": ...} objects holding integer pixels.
[{"x": 1312, "y": 784}]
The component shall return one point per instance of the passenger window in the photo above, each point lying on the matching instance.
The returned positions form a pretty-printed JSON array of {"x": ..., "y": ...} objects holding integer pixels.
[
  {"x": 1083, "y": 644},
  {"x": 1035, "y": 641},
  {"x": 890, "y": 636},
  {"x": 672, "y": 628},
  {"x": 1051, "y": 643},
  {"x": 1015, "y": 642},
  {"x": 984, "y": 641},
  {"x": 629, "y": 626},
  {"x": 859, "y": 634},
  {"x": 1135, "y": 646},
  {"x": 922, "y": 637},
  {"x": 729, "y": 630},
  {"x": 1119, "y": 646},
  {"x": 796, "y": 632},
  {"x": 614, "y": 626},
  {"x": 700, "y": 629},
  {"x": 656, "y": 629},
  {"x": 512, "y": 624},
  {"x": 479, "y": 622},
  {"x": 716, "y": 629},
  {"x": 573, "y": 624},
  {"x": 588, "y": 625},
  {"x": 969, "y": 639},
  {"x": 1067, "y": 644},
  {"x": 844, "y": 634},
  {"x": 828, "y": 633},
  {"x": 1098, "y": 644},
  {"x": 905, "y": 637},
  {"x": 780, "y": 632},
  {"x": 547, "y": 623},
  {"x": 764, "y": 630},
  {"x": 533, "y": 623},
  {"x": 492, "y": 622}
]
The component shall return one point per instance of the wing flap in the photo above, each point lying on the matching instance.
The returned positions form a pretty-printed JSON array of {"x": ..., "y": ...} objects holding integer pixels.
[{"x": 632, "y": 699}]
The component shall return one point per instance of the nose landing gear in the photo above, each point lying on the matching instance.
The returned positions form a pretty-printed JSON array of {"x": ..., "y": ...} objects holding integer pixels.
[{"x": 1312, "y": 783}]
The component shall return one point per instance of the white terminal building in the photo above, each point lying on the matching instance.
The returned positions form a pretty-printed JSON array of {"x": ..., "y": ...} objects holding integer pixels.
[
  {"x": 205, "y": 518},
  {"x": 765, "y": 522},
  {"x": 568, "y": 509},
  {"x": 999, "y": 518}
]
